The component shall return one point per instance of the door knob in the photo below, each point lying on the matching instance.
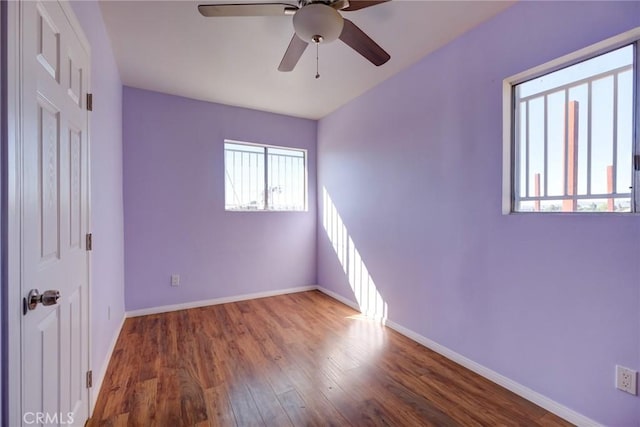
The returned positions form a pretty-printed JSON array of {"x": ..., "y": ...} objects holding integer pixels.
[{"x": 34, "y": 298}]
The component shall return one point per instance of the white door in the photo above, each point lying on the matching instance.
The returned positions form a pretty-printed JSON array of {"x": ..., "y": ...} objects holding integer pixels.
[{"x": 55, "y": 209}]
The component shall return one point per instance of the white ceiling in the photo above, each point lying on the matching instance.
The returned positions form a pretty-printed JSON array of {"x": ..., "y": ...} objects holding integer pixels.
[{"x": 167, "y": 46}]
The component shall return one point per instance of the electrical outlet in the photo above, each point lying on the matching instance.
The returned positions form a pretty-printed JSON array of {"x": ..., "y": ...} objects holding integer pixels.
[
  {"x": 175, "y": 280},
  {"x": 627, "y": 379}
]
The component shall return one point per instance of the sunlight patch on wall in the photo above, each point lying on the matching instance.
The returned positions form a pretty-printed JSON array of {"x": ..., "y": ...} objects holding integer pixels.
[{"x": 364, "y": 288}]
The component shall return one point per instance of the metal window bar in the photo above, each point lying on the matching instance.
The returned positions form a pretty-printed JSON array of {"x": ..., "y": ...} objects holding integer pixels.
[
  {"x": 635, "y": 174},
  {"x": 517, "y": 149},
  {"x": 267, "y": 171},
  {"x": 526, "y": 150},
  {"x": 230, "y": 159},
  {"x": 286, "y": 182},
  {"x": 275, "y": 175},
  {"x": 241, "y": 174},
  {"x": 577, "y": 83},
  {"x": 614, "y": 161},
  {"x": 288, "y": 174},
  {"x": 243, "y": 182},
  {"x": 578, "y": 197},
  {"x": 545, "y": 166},
  {"x": 589, "y": 122},
  {"x": 524, "y": 102},
  {"x": 565, "y": 143},
  {"x": 292, "y": 191},
  {"x": 252, "y": 174}
]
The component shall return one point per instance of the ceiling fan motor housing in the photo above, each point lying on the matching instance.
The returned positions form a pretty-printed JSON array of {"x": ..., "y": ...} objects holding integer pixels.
[{"x": 318, "y": 19}]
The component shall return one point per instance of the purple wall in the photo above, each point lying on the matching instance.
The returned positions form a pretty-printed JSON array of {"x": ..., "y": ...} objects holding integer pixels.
[
  {"x": 414, "y": 169},
  {"x": 175, "y": 220},
  {"x": 107, "y": 259}
]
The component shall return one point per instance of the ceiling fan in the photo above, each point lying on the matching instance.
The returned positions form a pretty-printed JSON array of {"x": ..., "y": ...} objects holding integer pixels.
[{"x": 314, "y": 21}]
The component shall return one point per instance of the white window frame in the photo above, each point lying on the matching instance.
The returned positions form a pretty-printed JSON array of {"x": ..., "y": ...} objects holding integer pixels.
[
  {"x": 267, "y": 146},
  {"x": 508, "y": 119}
]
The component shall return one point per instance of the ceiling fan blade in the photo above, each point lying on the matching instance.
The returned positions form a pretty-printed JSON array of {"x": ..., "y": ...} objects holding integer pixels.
[
  {"x": 362, "y": 43},
  {"x": 340, "y": 4},
  {"x": 247, "y": 9},
  {"x": 361, "y": 4},
  {"x": 292, "y": 55}
]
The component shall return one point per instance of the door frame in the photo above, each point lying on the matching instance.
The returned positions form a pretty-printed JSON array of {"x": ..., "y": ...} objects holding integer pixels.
[{"x": 12, "y": 304}]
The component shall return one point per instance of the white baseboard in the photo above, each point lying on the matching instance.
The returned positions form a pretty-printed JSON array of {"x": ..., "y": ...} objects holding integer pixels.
[
  {"x": 339, "y": 297},
  {"x": 216, "y": 301},
  {"x": 99, "y": 378},
  {"x": 517, "y": 388}
]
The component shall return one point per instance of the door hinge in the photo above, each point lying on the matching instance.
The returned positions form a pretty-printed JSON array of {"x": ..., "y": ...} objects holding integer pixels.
[
  {"x": 636, "y": 162},
  {"x": 89, "y": 242},
  {"x": 89, "y": 379},
  {"x": 89, "y": 102}
]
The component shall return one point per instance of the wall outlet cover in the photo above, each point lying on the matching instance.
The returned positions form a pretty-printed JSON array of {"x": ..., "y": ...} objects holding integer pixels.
[
  {"x": 175, "y": 280},
  {"x": 627, "y": 380}
]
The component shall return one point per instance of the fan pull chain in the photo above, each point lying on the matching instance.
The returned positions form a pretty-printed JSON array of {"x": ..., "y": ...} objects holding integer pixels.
[{"x": 317, "y": 61}]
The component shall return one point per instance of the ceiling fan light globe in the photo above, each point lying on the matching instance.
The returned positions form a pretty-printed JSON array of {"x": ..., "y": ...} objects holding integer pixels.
[{"x": 318, "y": 20}]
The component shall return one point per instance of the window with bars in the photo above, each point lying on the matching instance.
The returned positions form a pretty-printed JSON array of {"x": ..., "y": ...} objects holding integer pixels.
[
  {"x": 262, "y": 177},
  {"x": 573, "y": 147}
]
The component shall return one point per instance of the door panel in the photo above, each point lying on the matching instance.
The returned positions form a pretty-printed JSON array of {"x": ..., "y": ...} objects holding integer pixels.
[
  {"x": 75, "y": 379},
  {"x": 75, "y": 81},
  {"x": 75, "y": 211},
  {"x": 48, "y": 164},
  {"x": 48, "y": 39},
  {"x": 48, "y": 350}
]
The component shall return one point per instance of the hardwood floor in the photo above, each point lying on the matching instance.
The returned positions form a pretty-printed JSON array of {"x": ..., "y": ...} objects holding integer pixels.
[{"x": 294, "y": 360}]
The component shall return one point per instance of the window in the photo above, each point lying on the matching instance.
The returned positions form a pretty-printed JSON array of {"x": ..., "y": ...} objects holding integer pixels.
[
  {"x": 260, "y": 177},
  {"x": 571, "y": 133}
]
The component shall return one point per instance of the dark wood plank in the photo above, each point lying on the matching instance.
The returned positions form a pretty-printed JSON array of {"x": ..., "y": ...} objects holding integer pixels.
[
  {"x": 293, "y": 360},
  {"x": 219, "y": 409},
  {"x": 143, "y": 408}
]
